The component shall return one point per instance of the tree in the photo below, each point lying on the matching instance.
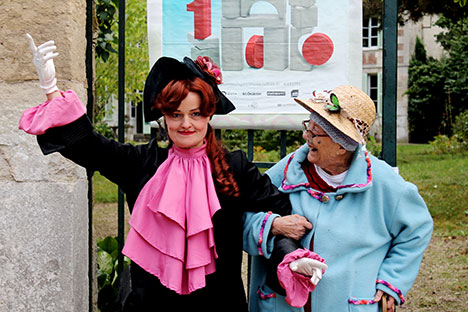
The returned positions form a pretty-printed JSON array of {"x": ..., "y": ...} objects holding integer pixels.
[
  {"x": 455, "y": 42},
  {"x": 438, "y": 90},
  {"x": 414, "y": 10},
  {"x": 426, "y": 97},
  {"x": 136, "y": 54}
]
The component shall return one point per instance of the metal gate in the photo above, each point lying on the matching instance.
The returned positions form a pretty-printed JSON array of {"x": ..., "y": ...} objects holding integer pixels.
[{"x": 389, "y": 109}]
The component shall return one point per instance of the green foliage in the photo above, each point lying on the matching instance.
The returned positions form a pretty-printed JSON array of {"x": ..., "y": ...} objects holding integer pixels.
[
  {"x": 101, "y": 127},
  {"x": 107, "y": 38},
  {"x": 438, "y": 89},
  {"x": 420, "y": 55},
  {"x": 458, "y": 142},
  {"x": 460, "y": 128},
  {"x": 414, "y": 10},
  {"x": 373, "y": 146},
  {"x": 442, "y": 144},
  {"x": 107, "y": 252},
  {"x": 136, "y": 56},
  {"x": 455, "y": 43},
  {"x": 426, "y": 96},
  {"x": 268, "y": 140}
]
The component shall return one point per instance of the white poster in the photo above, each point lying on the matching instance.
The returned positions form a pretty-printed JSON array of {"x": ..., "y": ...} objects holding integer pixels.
[{"x": 269, "y": 51}]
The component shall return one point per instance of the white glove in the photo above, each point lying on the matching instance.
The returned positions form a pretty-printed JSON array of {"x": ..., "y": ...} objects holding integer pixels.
[
  {"x": 43, "y": 59},
  {"x": 309, "y": 267}
]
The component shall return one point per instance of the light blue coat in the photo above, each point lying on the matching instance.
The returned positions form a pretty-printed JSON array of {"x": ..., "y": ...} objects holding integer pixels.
[{"x": 365, "y": 233}]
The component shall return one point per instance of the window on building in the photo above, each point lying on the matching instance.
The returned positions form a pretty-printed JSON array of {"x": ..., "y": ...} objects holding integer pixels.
[
  {"x": 372, "y": 84},
  {"x": 370, "y": 32},
  {"x": 373, "y": 88}
]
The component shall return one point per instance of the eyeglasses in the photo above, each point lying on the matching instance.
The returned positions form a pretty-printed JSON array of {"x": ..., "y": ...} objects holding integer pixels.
[{"x": 310, "y": 132}]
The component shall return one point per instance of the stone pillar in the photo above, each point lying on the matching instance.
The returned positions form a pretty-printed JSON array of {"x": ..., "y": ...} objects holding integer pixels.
[{"x": 43, "y": 199}]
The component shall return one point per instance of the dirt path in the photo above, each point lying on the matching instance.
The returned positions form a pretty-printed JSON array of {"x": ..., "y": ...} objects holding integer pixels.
[{"x": 442, "y": 283}]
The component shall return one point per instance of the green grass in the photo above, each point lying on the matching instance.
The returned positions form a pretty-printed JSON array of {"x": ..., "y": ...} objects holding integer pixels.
[
  {"x": 104, "y": 190},
  {"x": 442, "y": 180}
]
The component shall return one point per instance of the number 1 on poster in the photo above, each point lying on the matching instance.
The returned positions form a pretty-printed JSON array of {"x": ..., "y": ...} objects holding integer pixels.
[{"x": 202, "y": 18}]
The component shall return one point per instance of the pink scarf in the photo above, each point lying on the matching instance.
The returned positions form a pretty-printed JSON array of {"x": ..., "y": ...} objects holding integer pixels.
[{"x": 171, "y": 234}]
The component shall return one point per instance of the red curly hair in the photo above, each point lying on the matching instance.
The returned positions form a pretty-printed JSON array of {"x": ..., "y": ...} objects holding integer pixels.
[{"x": 169, "y": 99}]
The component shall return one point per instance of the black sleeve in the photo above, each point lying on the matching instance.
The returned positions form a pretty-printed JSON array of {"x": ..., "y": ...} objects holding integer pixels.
[
  {"x": 283, "y": 246},
  {"x": 257, "y": 191},
  {"x": 123, "y": 164}
]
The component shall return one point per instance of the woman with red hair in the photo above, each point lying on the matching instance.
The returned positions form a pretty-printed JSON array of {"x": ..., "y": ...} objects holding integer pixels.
[{"x": 187, "y": 201}]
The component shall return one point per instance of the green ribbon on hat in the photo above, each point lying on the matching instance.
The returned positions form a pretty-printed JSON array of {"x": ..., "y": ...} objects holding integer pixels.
[{"x": 334, "y": 105}]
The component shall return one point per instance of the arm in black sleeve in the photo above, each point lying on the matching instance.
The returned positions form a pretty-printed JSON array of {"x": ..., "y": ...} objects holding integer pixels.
[
  {"x": 123, "y": 164},
  {"x": 283, "y": 246},
  {"x": 257, "y": 191}
]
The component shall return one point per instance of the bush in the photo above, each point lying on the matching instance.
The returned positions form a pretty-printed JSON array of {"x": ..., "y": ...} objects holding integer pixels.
[
  {"x": 438, "y": 89},
  {"x": 426, "y": 96},
  {"x": 460, "y": 128},
  {"x": 458, "y": 142},
  {"x": 373, "y": 146},
  {"x": 268, "y": 140},
  {"x": 108, "y": 286}
]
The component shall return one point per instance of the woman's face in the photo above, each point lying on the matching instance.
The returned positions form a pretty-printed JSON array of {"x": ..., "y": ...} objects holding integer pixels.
[
  {"x": 186, "y": 127},
  {"x": 323, "y": 151}
]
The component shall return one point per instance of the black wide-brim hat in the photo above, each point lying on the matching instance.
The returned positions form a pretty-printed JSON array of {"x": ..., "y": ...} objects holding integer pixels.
[{"x": 167, "y": 69}]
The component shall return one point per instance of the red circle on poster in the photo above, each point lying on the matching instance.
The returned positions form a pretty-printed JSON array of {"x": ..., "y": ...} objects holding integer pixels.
[
  {"x": 317, "y": 49},
  {"x": 254, "y": 51}
]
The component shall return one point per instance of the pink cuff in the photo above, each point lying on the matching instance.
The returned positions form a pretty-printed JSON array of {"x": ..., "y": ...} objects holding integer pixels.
[
  {"x": 58, "y": 112},
  {"x": 297, "y": 286},
  {"x": 393, "y": 288},
  {"x": 260, "y": 236}
]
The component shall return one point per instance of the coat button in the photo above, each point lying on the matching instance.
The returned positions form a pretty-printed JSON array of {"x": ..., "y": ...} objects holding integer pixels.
[
  {"x": 325, "y": 198},
  {"x": 339, "y": 197}
]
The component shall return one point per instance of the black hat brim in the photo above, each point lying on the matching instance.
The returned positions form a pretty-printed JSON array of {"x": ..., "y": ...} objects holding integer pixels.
[{"x": 167, "y": 69}]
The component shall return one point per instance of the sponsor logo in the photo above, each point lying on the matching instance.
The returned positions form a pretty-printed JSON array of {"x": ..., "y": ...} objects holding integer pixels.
[{"x": 276, "y": 93}]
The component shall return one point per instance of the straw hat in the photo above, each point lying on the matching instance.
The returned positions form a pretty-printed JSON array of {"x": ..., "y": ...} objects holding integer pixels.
[{"x": 347, "y": 108}]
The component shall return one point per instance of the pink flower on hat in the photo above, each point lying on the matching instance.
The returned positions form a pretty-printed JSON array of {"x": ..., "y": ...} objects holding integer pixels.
[{"x": 210, "y": 67}]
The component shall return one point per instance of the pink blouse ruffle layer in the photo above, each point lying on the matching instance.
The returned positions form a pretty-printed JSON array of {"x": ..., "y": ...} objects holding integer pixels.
[
  {"x": 297, "y": 286},
  {"x": 171, "y": 234},
  {"x": 57, "y": 112}
]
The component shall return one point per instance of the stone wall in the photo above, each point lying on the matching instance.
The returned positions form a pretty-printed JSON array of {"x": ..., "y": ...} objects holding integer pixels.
[{"x": 43, "y": 199}]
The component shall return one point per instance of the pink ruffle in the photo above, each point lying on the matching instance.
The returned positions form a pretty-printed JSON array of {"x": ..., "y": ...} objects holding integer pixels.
[
  {"x": 171, "y": 233},
  {"x": 297, "y": 286},
  {"x": 57, "y": 112}
]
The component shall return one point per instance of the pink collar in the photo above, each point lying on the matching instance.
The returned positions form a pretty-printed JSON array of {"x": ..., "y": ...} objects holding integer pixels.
[{"x": 171, "y": 234}]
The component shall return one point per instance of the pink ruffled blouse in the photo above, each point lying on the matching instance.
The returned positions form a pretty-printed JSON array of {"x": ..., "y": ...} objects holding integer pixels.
[{"x": 171, "y": 234}]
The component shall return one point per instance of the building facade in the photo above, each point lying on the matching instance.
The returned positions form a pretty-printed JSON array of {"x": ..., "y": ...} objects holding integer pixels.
[{"x": 372, "y": 57}]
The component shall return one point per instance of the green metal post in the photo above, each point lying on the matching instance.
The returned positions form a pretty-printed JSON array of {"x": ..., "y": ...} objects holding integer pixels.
[
  {"x": 250, "y": 145},
  {"x": 121, "y": 97},
  {"x": 390, "y": 41},
  {"x": 283, "y": 144},
  {"x": 90, "y": 109}
]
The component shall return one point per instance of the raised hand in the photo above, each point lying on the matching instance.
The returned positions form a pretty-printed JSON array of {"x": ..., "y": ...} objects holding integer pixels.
[{"x": 43, "y": 59}]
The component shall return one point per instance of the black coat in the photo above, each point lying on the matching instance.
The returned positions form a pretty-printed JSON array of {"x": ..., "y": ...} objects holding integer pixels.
[{"x": 131, "y": 167}]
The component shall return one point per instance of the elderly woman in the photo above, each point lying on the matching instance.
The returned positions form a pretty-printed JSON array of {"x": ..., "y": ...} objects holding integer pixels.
[{"x": 370, "y": 226}]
